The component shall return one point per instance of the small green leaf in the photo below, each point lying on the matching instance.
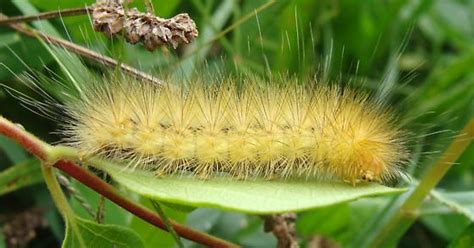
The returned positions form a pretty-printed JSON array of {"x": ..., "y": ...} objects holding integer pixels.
[
  {"x": 99, "y": 235},
  {"x": 21, "y": 175},
  {"x": 257, "y": 196}
]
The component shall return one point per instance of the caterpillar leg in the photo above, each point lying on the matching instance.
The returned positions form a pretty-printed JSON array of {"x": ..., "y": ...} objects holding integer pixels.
[
  {"x": 205, "y": 171},
  {"x": 242, "y": 170},
  {"x": 368, "y": 176},
  {"x": 161, "y": 172},
  {"x": 166, "y": 169}
]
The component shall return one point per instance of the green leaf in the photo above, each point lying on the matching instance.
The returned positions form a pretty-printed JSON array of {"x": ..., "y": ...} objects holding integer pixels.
[
  {"x": 99, "y": 235},
  {"x": 43, "y": 200},
  {"x": 8, "y": 39},
  {"x": 179, "y": 207},
  {"x": 71, "y": 64},
  {"x": 257, "y": 196},
  {"x": 447, "y": 226},
  {"x": 331, "y": 222},
  {"x": 20, "y": 175},
  {"x": 448, "y": 213},
  {"x": 206, "y": 34},
  {"x": 26, "y": 59},
  {"x": 162, "y": 9},
  {"x": 14, "y": 152},
  {"x": 451, "y": 202},
  {"x": 465, "y": 240}
]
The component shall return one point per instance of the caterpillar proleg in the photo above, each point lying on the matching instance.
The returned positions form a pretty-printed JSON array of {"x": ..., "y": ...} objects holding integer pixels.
[{"x": 246, "y": 130}]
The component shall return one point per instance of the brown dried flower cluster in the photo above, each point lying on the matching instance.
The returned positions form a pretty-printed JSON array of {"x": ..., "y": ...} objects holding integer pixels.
[
  {"x": 110, "y": 18},
  {"x": 21, "y": 229}
]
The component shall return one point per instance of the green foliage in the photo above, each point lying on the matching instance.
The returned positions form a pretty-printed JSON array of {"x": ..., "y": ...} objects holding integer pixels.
[
  {"x": 465, "y": 239},
  {"x": 416, "y": 55},
  {"x": 113, "y": 214},
  {"x": 20, "y": 175},
  {"x": 92, "y": 234},
  {"x": 13, "y": 151},
  {"x": 258, "y": 197},
  {"x": 153, "y": 236}
]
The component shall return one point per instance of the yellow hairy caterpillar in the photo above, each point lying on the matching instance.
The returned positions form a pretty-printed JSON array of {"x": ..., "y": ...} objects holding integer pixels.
[{"x": 274, "y": 130}]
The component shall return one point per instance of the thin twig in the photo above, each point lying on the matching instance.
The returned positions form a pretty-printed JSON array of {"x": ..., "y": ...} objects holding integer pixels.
[
  {"x": 454, "y": 206},
  {"x": 149, "y": 7},
  {"x": 73, "y": 192},
  {"x": 46, "y": 15},
  {"x": 99, "y": 215},
  {"x": 41, "y": 149},
  {"x": 111, "y": 18},
  {"x": 167, "y": 222},
  {"x": 84, "y": 52}
]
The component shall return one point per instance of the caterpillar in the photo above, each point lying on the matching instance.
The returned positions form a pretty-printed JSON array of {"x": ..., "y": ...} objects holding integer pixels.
[{"x": 242, "y": 128}]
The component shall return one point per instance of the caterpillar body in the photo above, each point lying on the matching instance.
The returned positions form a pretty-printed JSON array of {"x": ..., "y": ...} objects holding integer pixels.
[{"x": 276, "y": 130}]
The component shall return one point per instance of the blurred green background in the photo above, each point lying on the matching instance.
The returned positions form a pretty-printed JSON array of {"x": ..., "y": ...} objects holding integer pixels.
[{"x": 418, "y": 56}]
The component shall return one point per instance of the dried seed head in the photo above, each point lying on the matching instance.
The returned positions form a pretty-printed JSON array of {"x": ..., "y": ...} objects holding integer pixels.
[
  {"x": 110, "y": 18},
  {"x": 155, "y": 31},
  {"x": 22, "y": 228}
]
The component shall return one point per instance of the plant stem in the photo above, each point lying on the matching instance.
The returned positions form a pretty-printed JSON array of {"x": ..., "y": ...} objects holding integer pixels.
[
  {"x": 45, "y": 15},
  {"x": 82, "y": 51},
  {"x": 51, "y": 155},
  {"x": 149, "y": 7},
  {"x": 60, "y": 201},
  {"x": 99, "y": 215},
  {"x": 167, "y": 222},
  {"x": 63, "y": 181},
  {"x": 403, "y": 211},
  {"x": 112, "y": 194}
]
